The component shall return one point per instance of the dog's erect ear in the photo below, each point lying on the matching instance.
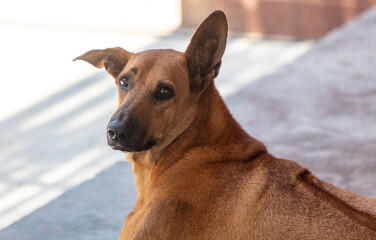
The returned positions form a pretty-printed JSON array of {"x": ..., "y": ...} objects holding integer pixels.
[
  {"x": 113, "y": 59},
  {"x": 206, "y": 48}
]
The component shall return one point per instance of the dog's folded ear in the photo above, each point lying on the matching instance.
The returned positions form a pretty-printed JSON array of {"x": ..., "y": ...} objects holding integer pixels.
[
  {"x": 113, "y": 59},
  {"x": 206, "y": 48}
]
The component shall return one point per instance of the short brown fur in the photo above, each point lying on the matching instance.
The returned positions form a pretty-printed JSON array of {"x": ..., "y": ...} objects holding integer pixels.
[{"x": 205, "y": 177}]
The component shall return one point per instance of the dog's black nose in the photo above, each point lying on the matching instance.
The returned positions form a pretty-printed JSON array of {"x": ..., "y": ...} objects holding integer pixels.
[
  {"x": 113, "y": 131},
  {"x": 111, "y": 134}
]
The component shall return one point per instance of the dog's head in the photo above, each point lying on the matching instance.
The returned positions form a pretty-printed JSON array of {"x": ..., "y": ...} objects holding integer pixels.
[{"x": 159, "y": 90}]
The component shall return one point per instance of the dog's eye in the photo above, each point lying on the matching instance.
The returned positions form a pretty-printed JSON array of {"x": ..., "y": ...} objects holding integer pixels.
[
  {"x": 164, "y": 93},
  {"x": 124, "y": 82}
]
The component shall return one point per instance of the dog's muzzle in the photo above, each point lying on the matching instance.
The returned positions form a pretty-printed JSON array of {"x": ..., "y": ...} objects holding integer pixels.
[{"x": 126, "y": 136}]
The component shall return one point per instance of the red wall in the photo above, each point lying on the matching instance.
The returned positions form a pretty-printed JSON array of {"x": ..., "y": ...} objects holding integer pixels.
[{"x": 300, "y": 19}]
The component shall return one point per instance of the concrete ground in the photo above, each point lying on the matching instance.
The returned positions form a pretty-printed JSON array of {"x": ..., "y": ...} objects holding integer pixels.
[{"x": 319, "y": 110}]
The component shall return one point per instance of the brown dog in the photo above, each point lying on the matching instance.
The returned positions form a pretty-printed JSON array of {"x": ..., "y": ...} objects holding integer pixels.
[{"x": 199, "y": 175}]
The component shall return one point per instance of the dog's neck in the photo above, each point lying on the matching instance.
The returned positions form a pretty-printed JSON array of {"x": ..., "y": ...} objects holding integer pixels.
[{"x": 213, "y": 128}]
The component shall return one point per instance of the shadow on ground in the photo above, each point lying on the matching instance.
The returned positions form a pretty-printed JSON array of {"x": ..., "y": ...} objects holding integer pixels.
[{"x": 49, "y": 148}]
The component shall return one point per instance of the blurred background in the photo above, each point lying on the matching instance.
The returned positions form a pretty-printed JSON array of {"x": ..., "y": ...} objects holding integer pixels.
[{"x": 53, "y": 112}]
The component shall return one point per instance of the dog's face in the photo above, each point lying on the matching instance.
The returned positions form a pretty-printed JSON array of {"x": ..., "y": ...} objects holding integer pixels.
[
  {"x": 155, "y": 101},
  {"x": 159, "y": 90}
]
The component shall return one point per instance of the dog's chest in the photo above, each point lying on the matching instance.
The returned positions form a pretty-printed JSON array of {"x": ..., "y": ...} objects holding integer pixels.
[
  {"x": 177, "y": 219},
  {"x": 200, "y": 202},
  {"x": 192, "y": 215}
]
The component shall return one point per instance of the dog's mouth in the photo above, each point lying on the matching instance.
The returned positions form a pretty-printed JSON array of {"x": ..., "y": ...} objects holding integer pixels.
[{"x": 123, "y": 148}]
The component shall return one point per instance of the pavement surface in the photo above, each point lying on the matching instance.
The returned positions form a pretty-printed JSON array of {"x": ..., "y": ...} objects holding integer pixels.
[{"x": 319, "y": 110}]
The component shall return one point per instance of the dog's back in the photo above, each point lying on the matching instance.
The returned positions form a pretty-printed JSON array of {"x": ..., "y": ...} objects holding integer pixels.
[{"x": 300, "y": 206}]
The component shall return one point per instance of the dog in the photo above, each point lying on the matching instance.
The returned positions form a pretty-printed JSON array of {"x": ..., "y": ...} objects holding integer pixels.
[{"x": 199, "y": 175}]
